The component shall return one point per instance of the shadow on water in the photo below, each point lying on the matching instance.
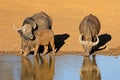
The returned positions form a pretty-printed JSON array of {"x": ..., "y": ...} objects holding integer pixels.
[
  {"x": 89, "y": 69},
  {"x": 40, "y": 69},
  {"x": 59, "y": 40},
  {"x": 103, "y": 40}
]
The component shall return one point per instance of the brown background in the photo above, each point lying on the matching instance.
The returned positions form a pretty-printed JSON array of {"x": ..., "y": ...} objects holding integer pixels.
[{"x": 66, "y": 15}]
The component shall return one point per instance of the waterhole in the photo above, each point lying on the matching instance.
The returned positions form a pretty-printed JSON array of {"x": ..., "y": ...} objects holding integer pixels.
[{"x": 65, "y": 67}]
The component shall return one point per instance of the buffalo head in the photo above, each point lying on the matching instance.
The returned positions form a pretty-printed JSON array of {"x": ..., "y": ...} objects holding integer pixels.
[
  {"x": 87, "y": 45},
  {"x": 26, "y": 31}
]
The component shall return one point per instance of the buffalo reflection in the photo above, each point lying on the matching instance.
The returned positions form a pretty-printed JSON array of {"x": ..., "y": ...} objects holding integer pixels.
[
  {"x": 40, "y": 69},
  {"x": 89, "y": 69}
]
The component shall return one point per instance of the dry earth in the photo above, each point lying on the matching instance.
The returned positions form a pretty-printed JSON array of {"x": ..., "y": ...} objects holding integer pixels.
[{"x": 66, "y": 16}]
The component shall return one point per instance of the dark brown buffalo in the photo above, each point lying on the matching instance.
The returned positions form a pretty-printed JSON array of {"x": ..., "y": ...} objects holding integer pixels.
[
  {"x": 33, "y": 24},
  {"x": 89, "y": 29},
  {"x": 30, "y": 24}
]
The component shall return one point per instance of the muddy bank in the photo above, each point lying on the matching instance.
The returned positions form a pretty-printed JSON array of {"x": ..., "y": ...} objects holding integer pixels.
[{"x": 111, "y": 52}]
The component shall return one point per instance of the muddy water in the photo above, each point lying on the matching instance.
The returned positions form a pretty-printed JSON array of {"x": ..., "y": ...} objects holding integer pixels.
[{"x": 67, "y": 67}]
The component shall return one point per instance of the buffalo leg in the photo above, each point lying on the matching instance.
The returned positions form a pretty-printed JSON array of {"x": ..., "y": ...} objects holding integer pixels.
[
  {"x": 45, "y": 50},
  {"x": 53, "y": 48},
  {"x": 36, "y": 50},
  {"x": 21, "y": 51},
  {"x": 26, "y": 52}
]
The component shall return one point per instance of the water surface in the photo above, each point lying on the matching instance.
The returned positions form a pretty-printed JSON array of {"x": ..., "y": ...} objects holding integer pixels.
[{"x": 66, "y": 67}]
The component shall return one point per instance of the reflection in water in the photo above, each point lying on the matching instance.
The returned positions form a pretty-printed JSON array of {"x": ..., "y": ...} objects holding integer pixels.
[
  {"x": 89, "y": 69},
  {"x": 41, "y": 69},
  {"x": 67, "y": 67}
]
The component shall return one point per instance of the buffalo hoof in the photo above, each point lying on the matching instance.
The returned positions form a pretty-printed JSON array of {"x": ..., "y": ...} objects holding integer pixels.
[
  {"x": 25, "y": 55},
  {"x": 43, "y": 54},
  {"x": 93, "y": 54},
  {"x": 86, "y": 55},
  {"x": 51, "y": 54},
  {"x": 36, "y": 56}
]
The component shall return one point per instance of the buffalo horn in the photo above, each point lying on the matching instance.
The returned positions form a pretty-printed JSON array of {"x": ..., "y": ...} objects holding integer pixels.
[
  {"x": 17, "y": 28},
  {"x": 81, "y": 41},
  {"x": 86, "y": 42},
  {"x": 34, "y": 27},
  {"x": 95, "y": 43}
]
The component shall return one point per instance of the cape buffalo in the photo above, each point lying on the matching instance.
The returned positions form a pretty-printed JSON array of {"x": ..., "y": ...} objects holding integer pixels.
[
  {"x": 89, "y": 29},
  {"x": 30, "y": 24},
  {"x": 43, "y": 37},
  {"x": 33, "y": 24}
]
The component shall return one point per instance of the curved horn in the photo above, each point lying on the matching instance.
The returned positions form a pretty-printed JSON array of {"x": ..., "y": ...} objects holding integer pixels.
[
  {"x": 81, "y": 41},
  {"x": 34, "y": 25},
  {"x": 17, "y": 28},
  {"x": 95, "y": 43}
]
